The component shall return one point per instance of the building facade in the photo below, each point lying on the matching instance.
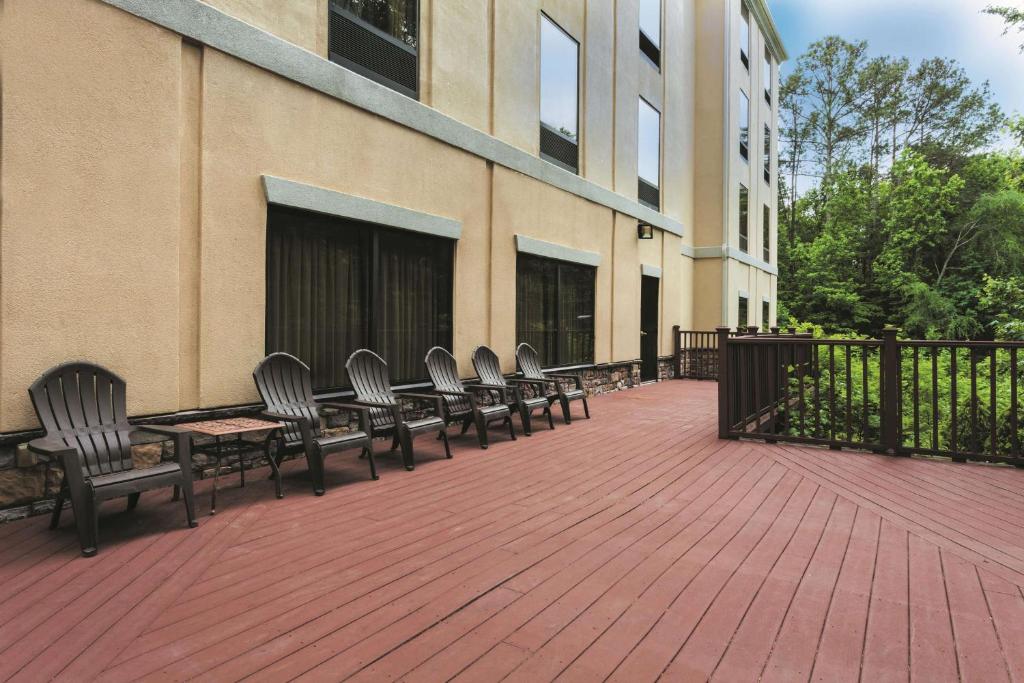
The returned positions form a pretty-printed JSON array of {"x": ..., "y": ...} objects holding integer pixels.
[{"x": 188, "y": 185}]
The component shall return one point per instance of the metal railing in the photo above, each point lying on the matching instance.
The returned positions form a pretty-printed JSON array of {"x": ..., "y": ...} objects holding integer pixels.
[
  {"x": 950, "y": 398},
  {"x": 696, "y": 351}
]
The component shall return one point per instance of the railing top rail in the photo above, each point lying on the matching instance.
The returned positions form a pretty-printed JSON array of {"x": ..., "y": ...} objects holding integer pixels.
[{"x": 960, "y": 343}]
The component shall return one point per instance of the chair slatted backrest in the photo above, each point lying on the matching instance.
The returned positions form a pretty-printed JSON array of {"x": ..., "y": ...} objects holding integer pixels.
[
  {"x": 284, "y": 384},
  {"x": 529, "y": 364},
  {"x": 488, "y": 367},
  {"x": 444, "y": 373},
  {"x": 83, "y": 406},
  {"x": 369, "y": 375}
]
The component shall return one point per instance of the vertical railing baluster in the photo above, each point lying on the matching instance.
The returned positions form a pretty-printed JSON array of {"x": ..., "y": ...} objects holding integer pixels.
[
  {"x": 832, "y": 393},
  {"x": 849, "y": 394},
  {"x": 973, "y": 443},
  {"x": 1014, "y": 420},
  {"x": 993, "y": 408},
  {"x": 817, "y": 390},
  {"x": 954, "y": 440},
  {"x": 864, "y": 351},
  {"x": 935, "y": 397},
  {"x": 917, "y": 399},
  {"x": 801, "y": 377}
]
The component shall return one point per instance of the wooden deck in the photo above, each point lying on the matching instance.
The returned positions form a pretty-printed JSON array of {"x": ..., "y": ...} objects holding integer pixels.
[{"x": 629, "y": 547}]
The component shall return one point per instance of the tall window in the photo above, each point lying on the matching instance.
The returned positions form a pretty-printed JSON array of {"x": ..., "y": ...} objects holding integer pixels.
[
  {"x": 650, "y": 30},
  {"x": 767, "y": 157},
  {"x": 334, "y": 286},
  {"x": 555, "y": 309},
  {"x": 767, "y": 76},
  {"x": 744, "y": 220},
  {"x": 745, "y": 36},
  {"x": 649, "y": 155},
  {"x": 559, "y": 96},
  {"x": 765, "y": 314},
  {"x": 744, "y": 124},
  {"x": 742, "y": 317},
  {"x": 766, "y": 235},
  {"x": 377, "y": 39}
]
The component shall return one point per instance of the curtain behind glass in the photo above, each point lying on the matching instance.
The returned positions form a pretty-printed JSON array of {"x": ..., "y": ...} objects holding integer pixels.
[
  {"x": 414, "y": 301},
  {"x": 316, "y": 299},
  {"x": 536, "y": 306},
  {"x": 576, "y": 315}
]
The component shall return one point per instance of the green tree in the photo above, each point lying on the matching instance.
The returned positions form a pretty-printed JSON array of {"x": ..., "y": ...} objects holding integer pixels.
[{"x": 1013, "y": 16}]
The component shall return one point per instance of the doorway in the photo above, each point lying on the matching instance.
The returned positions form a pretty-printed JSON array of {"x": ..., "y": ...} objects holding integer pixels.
[{"x": 649, "y": 288}]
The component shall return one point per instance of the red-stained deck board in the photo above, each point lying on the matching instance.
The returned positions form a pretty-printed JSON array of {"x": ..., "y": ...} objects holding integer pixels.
[{"x": 633, "y": 546}]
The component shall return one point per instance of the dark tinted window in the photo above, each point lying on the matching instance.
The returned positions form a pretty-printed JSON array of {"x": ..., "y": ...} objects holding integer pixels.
[
  {"x": 334, "y": 286},
  {"x": 743, "y": 315},
  {"x": 766, "y": 235},
  {"x": 744, "y": 219},
  {"x": 555, "y": 309},
  {"x": 650, "y": 30},
  {"x": 559, "y": 95},
  {"x": 744, "y": 124},
  {"x": 396, "y": 18}
]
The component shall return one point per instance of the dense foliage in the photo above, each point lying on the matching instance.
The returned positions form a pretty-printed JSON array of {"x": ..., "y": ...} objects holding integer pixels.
[{"x": 897, "y": 205}]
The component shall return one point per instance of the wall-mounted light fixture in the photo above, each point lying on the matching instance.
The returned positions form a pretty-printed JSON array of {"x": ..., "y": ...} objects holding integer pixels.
[{"x": 644, "y": 231}]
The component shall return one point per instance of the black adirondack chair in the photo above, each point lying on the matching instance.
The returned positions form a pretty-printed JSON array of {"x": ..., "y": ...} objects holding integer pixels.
[
  {"x": 529, "y": 365},
  {"x": 369, "y": 376},
  {"x": 460, "y": 401},
  {"x": 82, "y": 409},
  {"x": 283, "y": 382},
  {"x": 488, "y": 368}
]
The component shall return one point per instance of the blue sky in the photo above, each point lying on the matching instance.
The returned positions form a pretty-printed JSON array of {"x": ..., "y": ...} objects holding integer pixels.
[{"x": 915, "y": 29}]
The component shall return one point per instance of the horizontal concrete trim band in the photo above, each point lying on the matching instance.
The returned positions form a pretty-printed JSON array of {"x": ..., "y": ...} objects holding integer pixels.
[
  {"x": 686, "y": 250},
  {"x": 650, "y": 271},
  {"x": 733, "y": 253},
  {"x": 535, "y": 247},
  {"x": 204, "y": 24},
  {"x": 333, "y": 203}
]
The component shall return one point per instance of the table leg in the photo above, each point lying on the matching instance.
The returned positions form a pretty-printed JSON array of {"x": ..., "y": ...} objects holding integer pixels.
[
  {"x": 241, "y": 463},
  {"x": 216, "y": 475},
  {"x": 273, "y": 463}
]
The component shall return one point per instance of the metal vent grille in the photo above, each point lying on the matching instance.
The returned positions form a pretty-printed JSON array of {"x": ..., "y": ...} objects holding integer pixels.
[
  {"x": 648, "y": 194},
  {"x": 558, "y": 149},
  {"x": 369, "y": 52}
]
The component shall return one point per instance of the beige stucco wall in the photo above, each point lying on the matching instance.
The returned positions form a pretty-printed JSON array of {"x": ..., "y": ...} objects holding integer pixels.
[{"x": 141, "y": 244}]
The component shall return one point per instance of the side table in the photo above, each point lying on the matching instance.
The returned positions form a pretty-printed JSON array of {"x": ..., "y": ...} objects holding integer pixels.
[{"x": 229, "y": 440}]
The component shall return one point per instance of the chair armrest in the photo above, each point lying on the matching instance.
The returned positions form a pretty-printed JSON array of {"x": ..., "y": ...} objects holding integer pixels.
[
  {"x": 468, "y": 395},
  {"x": 50, "y": 447},
  {"x": 538, "y": 384},
  {"x": 362, "y": 412},
  {"x": 71, "y": 460},
  {"x": 431, "y": 399},
  {"x": 502, "y": 390},
  {"x": 305, "y": 426}
]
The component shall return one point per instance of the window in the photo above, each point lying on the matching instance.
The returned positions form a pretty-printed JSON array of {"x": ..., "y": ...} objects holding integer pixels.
[
  {"x": 377, "y": 39},
  {"x": 745, "y": 36},
  {"x": 559, "y": 96},
  {"x": 650, "y": 30},
  {"x": 765, "y": 314},
  {"x": 555, "y": 309},
  {"x": 742, "y": 317},
  {"x": 649, "y": 155},
  {"x": 744, "y": 124},
  {"x": 335, "y": 285},
  {"x": 744, "y": 220},
  {"x": 767, "y": 154},
  {"x": 766, "y": 235},
  {"x": 767, "y": 77}
]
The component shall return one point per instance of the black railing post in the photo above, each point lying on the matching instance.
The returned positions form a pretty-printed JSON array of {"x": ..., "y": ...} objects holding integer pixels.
[
  {"x": 775, "y": 331},
  {"x": 891, "y": 387},
  {"x": 677, "y": 352},
  {"x": 723, "y": 382}
]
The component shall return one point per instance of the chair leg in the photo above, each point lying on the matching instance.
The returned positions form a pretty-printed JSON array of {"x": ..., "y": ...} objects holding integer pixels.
[
  {"x": 466, "y": 422},
  {"x": 58, "y": 507},
  {"x": 87, "y": 514},
  {"x": 190, "y": 505},
  {"x": 481, "y": 430},
  {"x": 447, "y": 449},
  {"x": 551, "y": 419},
  {"x": 586, "y": 408},
  {"x": 275, "y": 472},
  {"x": 133, "y": 501},
  {"x": 566, "y": 414},
  {"x": 511, "y": 429},
  {"x": 524, "y": 415},
  {"x": 395, "y": 439},
  {"x": 406, "y": 442},
  {"x": 315, "y": 462},
  {"x": 368, "y": 454}
]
